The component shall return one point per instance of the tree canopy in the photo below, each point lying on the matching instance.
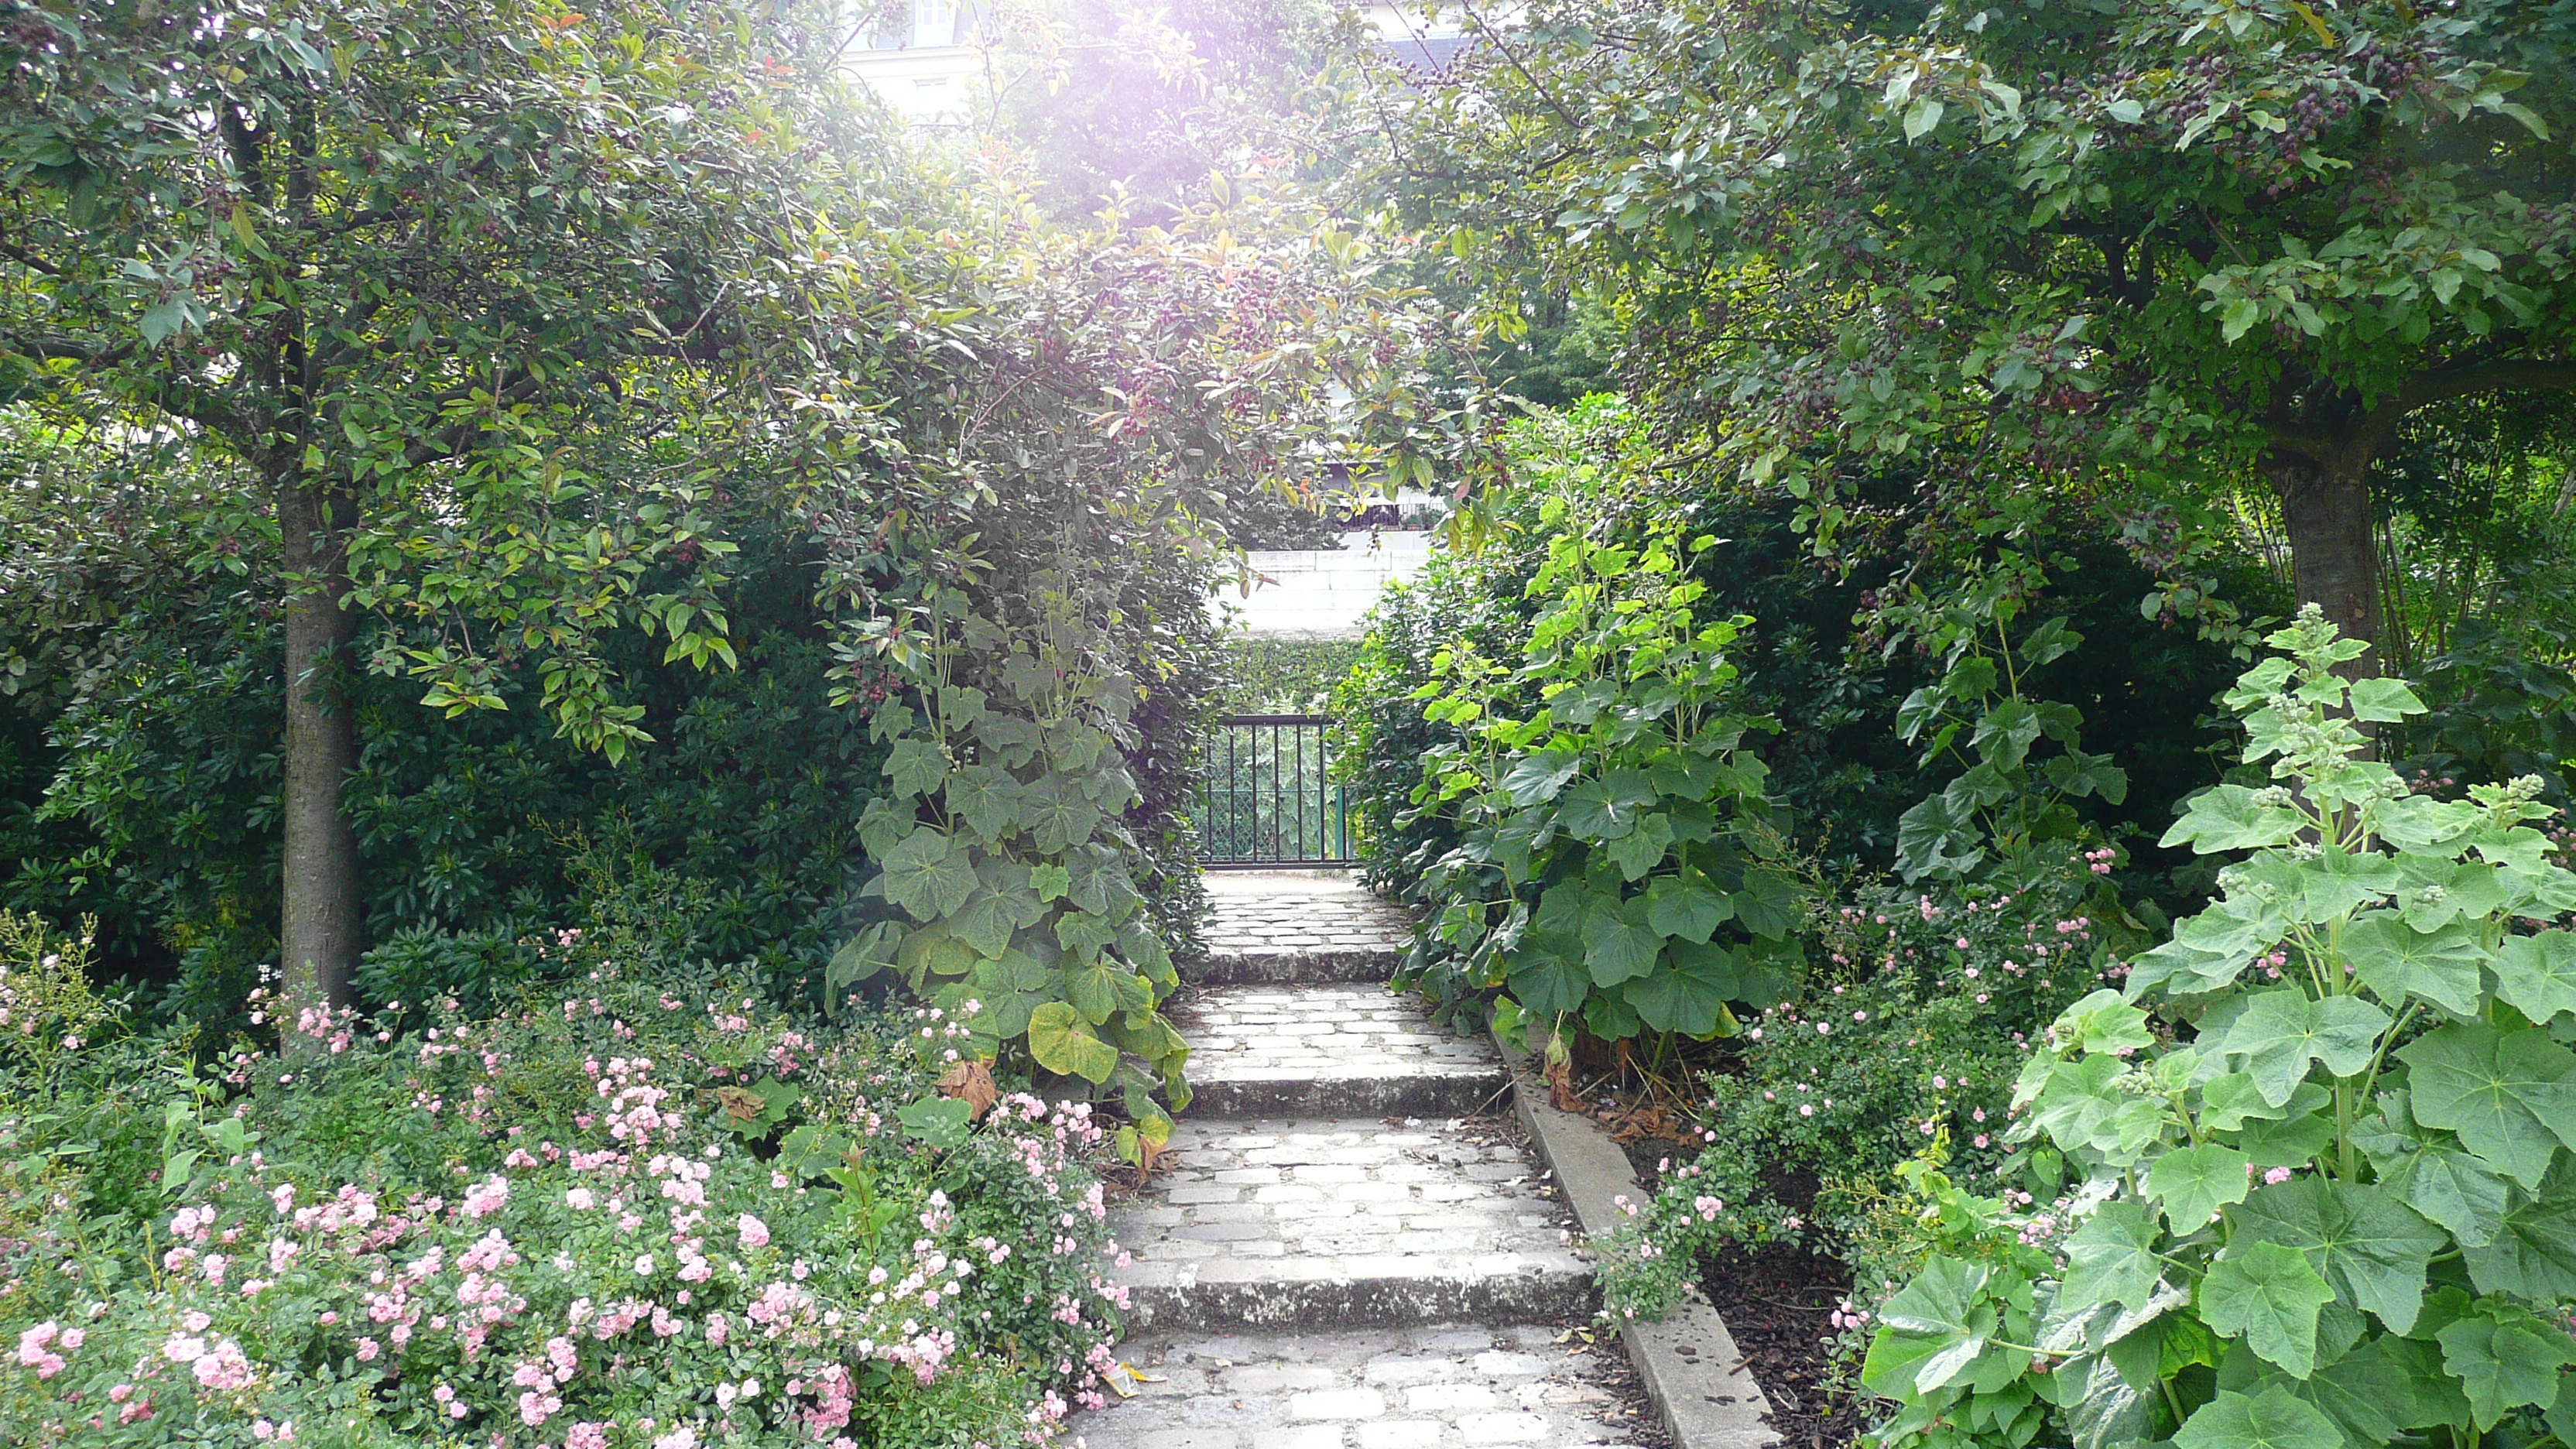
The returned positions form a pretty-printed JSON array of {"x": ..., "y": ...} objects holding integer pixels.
[{"x": 2152, "y": 250}]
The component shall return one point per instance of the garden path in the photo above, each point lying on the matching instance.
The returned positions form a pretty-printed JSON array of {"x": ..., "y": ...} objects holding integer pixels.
[{"x": 1354, "y": 1249}]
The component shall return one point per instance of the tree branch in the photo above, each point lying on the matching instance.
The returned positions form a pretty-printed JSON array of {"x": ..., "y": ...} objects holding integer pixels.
[{"x": 2432, "y": 387}]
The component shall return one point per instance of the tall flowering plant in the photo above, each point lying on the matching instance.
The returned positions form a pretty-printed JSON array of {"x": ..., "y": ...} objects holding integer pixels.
[
  {"x": 576, "y": 1229},
  {"x": 2326, "y": 1191}
]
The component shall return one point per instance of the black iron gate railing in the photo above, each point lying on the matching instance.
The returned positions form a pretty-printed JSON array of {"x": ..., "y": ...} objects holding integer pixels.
[{"x": 1270, "y": 799}]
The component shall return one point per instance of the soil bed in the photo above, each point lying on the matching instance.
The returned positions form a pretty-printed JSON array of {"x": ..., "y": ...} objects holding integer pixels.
[{"x": 1776, "y": 1300}]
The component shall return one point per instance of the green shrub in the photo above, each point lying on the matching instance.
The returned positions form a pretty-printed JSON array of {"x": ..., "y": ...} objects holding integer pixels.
[
  {"x": 646, "y": 1212},
  {"x": 1908, "y": 1034},
  {"x": 1617, "y": 869},
  {"x": 1285, "y": 676},
  {"x": 2325, "y": 1199}
]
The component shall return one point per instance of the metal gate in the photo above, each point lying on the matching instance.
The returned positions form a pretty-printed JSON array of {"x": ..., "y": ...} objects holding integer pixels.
[{"x": 1269, "y": 799}]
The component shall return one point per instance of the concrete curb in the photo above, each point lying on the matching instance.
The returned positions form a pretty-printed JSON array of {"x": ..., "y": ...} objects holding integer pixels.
[{"x": 1689, "y": 1362}]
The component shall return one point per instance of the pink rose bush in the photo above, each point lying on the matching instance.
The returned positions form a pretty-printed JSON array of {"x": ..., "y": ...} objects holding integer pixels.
[{"x": 558, "y": 1230}]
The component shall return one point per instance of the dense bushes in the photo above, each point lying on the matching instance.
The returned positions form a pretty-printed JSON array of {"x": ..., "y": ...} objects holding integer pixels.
[
  {"x": 1836, "y": 646},
  {"x": 1906, "y": 1038},
  {"x": 2323, "y": 1186},
  {"x": 641, "y": 1210},
  {"x": 146, "y": 732}
]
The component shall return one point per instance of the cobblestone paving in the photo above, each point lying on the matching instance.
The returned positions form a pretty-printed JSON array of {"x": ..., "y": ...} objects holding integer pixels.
[
  {"x": 1338, "y": 1197},
  {"x": 1394, "y": 1265},
  {"x": 1446, "y": 1387},
  {"x": 1345, "y": 1050},
  {"x": 1277, "y": 925}
]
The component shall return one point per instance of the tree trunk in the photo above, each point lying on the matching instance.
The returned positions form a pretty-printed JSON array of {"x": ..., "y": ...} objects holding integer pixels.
[
  {"x": 2324, "y": 487},
  {"x": 321, "y": 934}
]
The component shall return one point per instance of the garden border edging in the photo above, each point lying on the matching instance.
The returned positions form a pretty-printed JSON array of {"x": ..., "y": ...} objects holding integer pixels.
[{"x": 1689, "y": 1363}]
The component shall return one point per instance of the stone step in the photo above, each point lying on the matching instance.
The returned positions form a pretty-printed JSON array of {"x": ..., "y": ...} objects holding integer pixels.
[
  {"x": 1298, "y": 927},
  {"x": 1330, "y": 1050},
  {"x": 1445, "y": 1387},
  {"x": 1277, "y": 1224}
]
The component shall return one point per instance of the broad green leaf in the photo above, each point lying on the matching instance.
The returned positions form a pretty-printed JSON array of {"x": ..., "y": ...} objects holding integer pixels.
[
  {"x": 1642, "y": 849},
  {"x": 1057, "y": 815},
  {"x": 2396, "y": 960},
  {"x": 1607, "y": 1016},
  {"x": 1686, "y": 906},
  {"x": 2381, "y": 700},
  {"x": 2228, "y": 1099},
  {"x": 1618, "y": 944},
  {"x": 928, "y": 874},
  {"x": 1063, "y": 1043},
  {"x": 2296, "y": 1137},
  {"x": 2273, "y": 1419},
  {"x": 935, "y": 950},
  {"x": 1084, "y": 935},
  {"x": 2268, "y": 1295},
  {"x": 939, "y": 1122},
  {"x": 861, "y": 957},
  {"x": 2005, "y": 734},
  {"x": 915, "y": 767},
  {"x": 1932, "y": 840},
  {"x": 1930, "y": 1331},
  {"x": 1768, "y": 904},
  {"x": 2537, "y": 974},
  {"x": 2505, "y": 1356},
  {"x": 2428, "y": 1170},
  {"x": 987, "y": 799},
  {"x": 2079, "y": 1100},
  {"x": 2511, "y": 1095},
  {"x": 1100, "y": 987},
  {"x": 1002, "y": 904},
  {"x": 2103, "y": 1411},
  {"x": 2387, "y": 1384},
  {"x": 1604, "y": 809},
  {"x": 2370, "y": 1248},
  {"x": 2101, "y": 1022},
  {"x": 1537, "y": 777},
  {"x": 2112, "y": 1259},
  {"x": 2193, "y": 1183},
  {"x": 1547, "y": 974},
  {"x": 2323, "y": 890},
  {"x": 2281, "y": 1030},
  {"x": 2438, "y": 891},
  {"x": 2532, "y": 1253},
  {"x": 1688, "y": 993},
  {"x": 2232, "y": 817}
]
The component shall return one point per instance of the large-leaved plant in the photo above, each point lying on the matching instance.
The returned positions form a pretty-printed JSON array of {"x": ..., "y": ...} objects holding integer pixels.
[
  {"x": 2328, "y": 1196},
  {"x": 1617, "y": 867}
]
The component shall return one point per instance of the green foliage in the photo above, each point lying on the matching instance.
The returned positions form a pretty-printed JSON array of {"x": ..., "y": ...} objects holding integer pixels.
[
  {"x": 267, "y": 1248},
  {"x": 1616, "y": 866},
  {"x": 1004, "y": 854},
  {"x": 148, "y": 737},
  {"x": 1285, "y": 676},
  {"x": 1907, "y": 1037},
  {"x": 1838, "y": 650},
  {"x": 1839, "y": 235},
  {"x": 2012, "y": 794},
  {"x": 2367, "y": 1018}
]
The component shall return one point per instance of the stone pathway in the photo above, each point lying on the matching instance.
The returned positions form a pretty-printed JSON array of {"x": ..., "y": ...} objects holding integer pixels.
[{"x": 1354, "y": 1249}]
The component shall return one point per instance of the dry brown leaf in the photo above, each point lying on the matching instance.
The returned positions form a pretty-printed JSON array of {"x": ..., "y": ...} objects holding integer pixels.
[
  {"x": 973, "y": 1082},
  {"x": 741, "y": 1103}
]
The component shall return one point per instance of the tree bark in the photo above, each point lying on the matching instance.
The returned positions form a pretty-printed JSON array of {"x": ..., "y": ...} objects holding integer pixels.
[
  {"x": 322, "y": 931},
  {"x": 2324, "y": 487}
]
